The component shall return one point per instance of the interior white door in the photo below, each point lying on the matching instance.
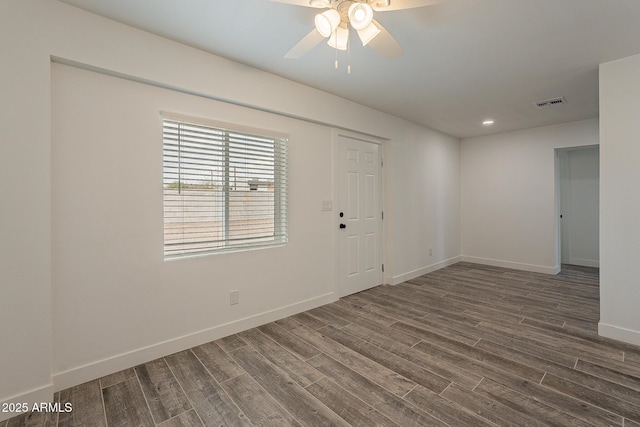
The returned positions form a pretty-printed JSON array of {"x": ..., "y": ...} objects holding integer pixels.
[{"x": 359, "y": 215}]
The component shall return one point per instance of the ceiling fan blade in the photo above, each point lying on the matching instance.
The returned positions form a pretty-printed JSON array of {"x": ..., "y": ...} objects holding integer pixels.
[
  {"x": 307, "y": 43},
  {"x": 380, "y": 6},
  {"x": 305, "y": 3},
  {"x": 385, "y": 44}
]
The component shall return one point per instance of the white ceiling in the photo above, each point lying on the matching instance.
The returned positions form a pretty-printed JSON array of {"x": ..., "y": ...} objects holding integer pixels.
[{"x": 465, "y": 60}]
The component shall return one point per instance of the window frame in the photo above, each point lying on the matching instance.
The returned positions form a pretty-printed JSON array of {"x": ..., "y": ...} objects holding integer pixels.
[{"x": 232, "y": 133}]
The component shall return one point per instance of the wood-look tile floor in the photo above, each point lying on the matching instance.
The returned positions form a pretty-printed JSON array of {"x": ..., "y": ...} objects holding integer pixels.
[{"x": 468, "y": 345}]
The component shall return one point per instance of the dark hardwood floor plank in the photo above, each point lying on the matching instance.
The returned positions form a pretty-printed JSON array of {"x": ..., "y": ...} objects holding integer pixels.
[
  {"x": 443, "y": 409},
  {"x": 511, "y": 342},
  {"x": 125, "y": 405},
  {"x": 597, "y": 384},
  {"x": 392, "y": 312},
  {"x": 595, "y": 397},
  {"x": 378, "y": 327},
  {"x": 328, "y": 318},
  {"x": 186, "y": 419},
  {"x": 231, "y": 343},
  {"x": 468, "y": 336},
  {"x": 298, "y": 370},
  {"x": 387, "y": 297},
  {"x": 372, "y": 311},
  {"x": 356, "y": 298},
  {"x": 288, "y": 323},
  {"x": 476, "y": 354},
  {"x": 289, "y": 341},
  {"x": 217, "y": 361},
  {"x": 549, "y": 342},
  {"x": 353, "y": 410},
  {"x": 630, "y": 423},
  {"x": 392, "y": 406},
  {"x": 400, "y": 290},
  {"x": 529, "y": 347},
  {"x": 495, "y": 310},
  {"x": 610, "y": 373},
  {"x": 309, "y": 320},
  {"x": 409, "y": 370},
  {"x": 437, "y": 366},
  {"x": 528, "y": 405},
  {"x": 117, "y": 377},
  {"x": 32, "y": 419},
  {"x": 257, "y": 404},
  {"x": 295, "y": 399},
  {"x": 485, "y": 294},
  {"x": 583, "y": 341},
  {"x": 350, "y": 314},
  {"x": 562, "y": 402},
  {"x": 86, "y": 401},
  {"x": 374, "y": 371},
  {"x": 489, "y": 409},
  {"x": 162, "y": 391},
  {"x": 465, "y": 321},
  {"x": 632, "y": 355},
  {"x": 615, "y": 365},
  {"x": 207, "y": 397}
]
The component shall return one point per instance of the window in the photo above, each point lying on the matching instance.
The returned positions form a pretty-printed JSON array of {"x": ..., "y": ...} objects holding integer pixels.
[{"x": 224, "y": 189}]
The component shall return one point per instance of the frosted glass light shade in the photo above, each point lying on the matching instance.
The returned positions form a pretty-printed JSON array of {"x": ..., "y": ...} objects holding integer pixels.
[
  {"x": 360, "y": 15},
  {"x": 339, "y": 39},
  {"x": 327, "y": 22},
  {"x": 368, "y": 34}
]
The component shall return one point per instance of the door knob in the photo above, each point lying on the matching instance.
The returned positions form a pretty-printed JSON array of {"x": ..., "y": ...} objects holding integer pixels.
[{"x": 343, "y": 225}]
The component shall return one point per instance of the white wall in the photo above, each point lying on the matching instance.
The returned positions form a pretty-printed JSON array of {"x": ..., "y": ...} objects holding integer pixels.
[
  {"x": 508, "y": 195},
  {"x": 25, "y": 243},
  {"x": 90, "y": 279},
  {"x": 424, "y": 204},
  {"x": 107, "y": 221},
  {"x": 580, "y": 206},
  {"x": 620, "y": 199}
]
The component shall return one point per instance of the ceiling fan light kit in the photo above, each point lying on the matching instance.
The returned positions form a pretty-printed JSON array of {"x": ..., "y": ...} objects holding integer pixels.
[
  {"x": 333, "y": 24},
  {"x": 339, "y": 39},
  {"x": 360, "y": 15},
  {"x": 327, "y": 22}
]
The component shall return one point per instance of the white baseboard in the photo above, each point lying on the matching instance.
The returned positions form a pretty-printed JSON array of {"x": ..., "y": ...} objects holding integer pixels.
[
  {"x": 395, "y": 280},
  {"x": 37, "y": 395},
  {"x": 514, "y": 265},
  {"x": 100, "y": 368},
  {"x": 617, "y": 333}
]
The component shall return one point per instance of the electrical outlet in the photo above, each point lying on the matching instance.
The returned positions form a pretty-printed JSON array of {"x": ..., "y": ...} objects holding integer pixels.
[{"x": 234, "y": 297}]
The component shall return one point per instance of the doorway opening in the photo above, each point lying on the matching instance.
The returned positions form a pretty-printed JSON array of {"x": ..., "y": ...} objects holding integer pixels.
[{"x": 577, "y": 208}]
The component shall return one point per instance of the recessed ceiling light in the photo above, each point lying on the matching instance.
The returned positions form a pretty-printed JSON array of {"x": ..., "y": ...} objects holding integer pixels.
[{"x": 487, "y": 122}]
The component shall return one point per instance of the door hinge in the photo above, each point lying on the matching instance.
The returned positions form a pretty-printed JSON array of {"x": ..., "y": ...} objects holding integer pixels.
[
  {"x": 382, "y": 214},
  {"x": 383, "y": 268}
]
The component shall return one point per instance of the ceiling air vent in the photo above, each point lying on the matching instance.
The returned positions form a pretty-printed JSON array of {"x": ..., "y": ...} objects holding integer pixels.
[{"x": 551, "y": 102}]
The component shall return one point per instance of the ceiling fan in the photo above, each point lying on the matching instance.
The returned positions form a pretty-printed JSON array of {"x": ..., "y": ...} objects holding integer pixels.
[{"x": 333, "y": 24}]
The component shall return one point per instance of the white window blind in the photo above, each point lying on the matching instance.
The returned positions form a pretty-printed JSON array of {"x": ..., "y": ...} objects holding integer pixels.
[{"x": 224, "y": 189}]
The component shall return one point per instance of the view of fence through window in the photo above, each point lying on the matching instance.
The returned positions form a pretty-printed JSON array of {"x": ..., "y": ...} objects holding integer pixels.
[{"x": 223, "y": 189}]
